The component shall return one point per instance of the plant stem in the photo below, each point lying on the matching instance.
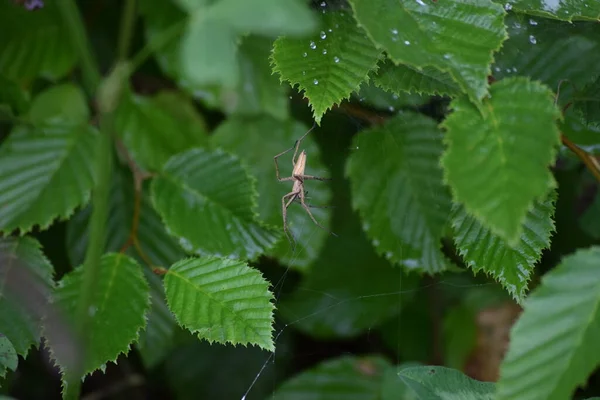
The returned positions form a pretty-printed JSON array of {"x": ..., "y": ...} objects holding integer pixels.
[
  {"x": 127, "y": 27},
  {"x": 156, "y": 43}
]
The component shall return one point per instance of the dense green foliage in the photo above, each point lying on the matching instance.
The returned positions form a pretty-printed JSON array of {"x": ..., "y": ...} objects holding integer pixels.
[{"x": 142, "y": 244}]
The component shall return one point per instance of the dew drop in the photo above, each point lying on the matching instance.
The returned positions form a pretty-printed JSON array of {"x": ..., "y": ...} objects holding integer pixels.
[
  {"x": 406, "y": 42},
  {"x": 323, "y": 4},
  {"x": 336, "y": 60},
  {"x": 447, "y": 56},
  {"x": 313, "y": 45},
  {"x": 316, "y": 82},
  {"x": 324, "y": 51},
  {"x": 532, "y": 39},
  {"x": 508, "y": 6},
  {"x": 533, "y": 22},
  {"x": 391, "y": 109},
  {"x": 420, "y": 2},
  {"x": 329, "y": 30},
  {"x": 394, "y": 31},
  {"x": 303, "y": 72},
  {"x": 323, "y": 35},
  {"x": 305, "y": 54}
]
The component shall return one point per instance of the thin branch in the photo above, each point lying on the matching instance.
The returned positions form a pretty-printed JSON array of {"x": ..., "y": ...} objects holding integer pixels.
[{"x": 588, "y": 159}]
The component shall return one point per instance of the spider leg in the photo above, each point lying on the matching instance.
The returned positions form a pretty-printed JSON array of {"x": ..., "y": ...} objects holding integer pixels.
[
  {"x": 291, "y": 178},
  {"x": 297, "y": 144},
  {"x": 284, "y": 206},
  {"x": 311, "y": 177},
  {"x": 312, "y": 217}
]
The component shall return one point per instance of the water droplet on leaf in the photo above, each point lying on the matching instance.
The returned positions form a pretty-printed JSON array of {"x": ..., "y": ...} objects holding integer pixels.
[
  {"x": 323, "y": 35},
  {"x": 313, "y": 45}
]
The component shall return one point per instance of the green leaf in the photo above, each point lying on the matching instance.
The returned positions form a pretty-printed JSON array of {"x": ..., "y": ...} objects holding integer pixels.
[
  {"x": 341, "y": 378},
  {"x": 588, "y": 102},
  {"x": 209, "y": 48},
  {"x": 112, "y": 327},
  {"x": 564, "y": 10},
  {"x": 551, "y": 353},
  {"x": 8, "y": 356},
  {"x": 394, "y": 388},
  {"x": 208, "y": 53},
  {"x": 550, "y": 51},
  {"x": 402, "y": 78},
  {"x": 388, "y": 100},
  {"x": 512, "y": 266},
  {"x": 589, "y": 220},
  {"x": 152, "y": 133},
  {"x": 262, "y": 139},
  {"x": 266, "y": 17},
  {"x": 497, "y": 162},
  {"x": 398, "y": 189},
  {"x": 213, "y": 192},
  {"x": 433, "y": 383},
  {"x": 25, "y": 285},
  {"x": 454, "y": 36},
  {"x": 46, "y": 172},
  {"x": 580, "y": 132},
  {"x": 329, "y": 66},
  {"x": 34, "y": 43},
  {"x": 221, "y": 300}
]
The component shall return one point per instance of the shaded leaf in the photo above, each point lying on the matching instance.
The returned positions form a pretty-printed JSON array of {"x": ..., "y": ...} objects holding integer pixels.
[
  {"x": 589, "y": 220},
  {"x": 208, "y": 201},
  {"x": 454, "y": 36},
  {"x": 550, "y": 51},
  {"x": 402, "y": 78},
  {"x": 25, "y": 285},
  {"x": 221, "y": 300},
  {"x": 156, "y": 341},
  {"x": 394, "y": 388},
  {"x": 432, "y": 383},
  {"x": 583, "y": 134},
  {"x": 388, "y": 100},
  {"x": 111, "y": 328},
  {"x": 588, "y": 102},
  {"x": 8, "y": 356},
  {"x": 46, "y": 172},
  {"x": 551, "y": 353},
  {"x": 34, "y": 43},
  {"x": 497, "y": 162},
  {"x": 153, "y": 133},
  {"x": 512, "y": 266},
  {"x": 328, "y": 66},
  {"x": 564, "y": 10},
  {"x": 12, "y": 96},
  {"x": 460, "y": 336},
  {"x": 341, "y": 378},
  {"x": 397, "y": 187},
  {"x": 256, "y": 141}
]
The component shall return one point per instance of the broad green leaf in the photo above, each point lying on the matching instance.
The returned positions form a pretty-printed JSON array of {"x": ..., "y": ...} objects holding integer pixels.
[
  {"x": 34, "y": 43},
  {"x": 328, "y": 66},
  {"x": 8, "y": 356},
  {"x": 209, "y": 47},
  {"x": 588, "y": 102},
  {"x": 497, "y": 161},
  {"x": 25, "y": 285},
  {"x": 394, "y": 388},
  {"x": 46, "y": 171},
  {"x": 551, "y": 353},
  {"x": 397, "y": 188},
  {"x": 209, "y": 53},
  {"x": 402, "y": 78},
  {"x": 512, "y": 266},
  {"x": 558, "y": 54},
  {"x": 564, "y": 10},
  {"x": 208, "y": 201},
  {"x": 152, "y": 133},
  {"x": 441, "y": 383},
  {"x": 221, "y": 300},
  {"x": 454, "y": 36},
  {"x": 266, "y": 17},
  {"x": 256, "y": 141},
  {"x": 156, "y": 341},
  {"x": 112, "y": 327},
  {"x": 343, "y": 378}
]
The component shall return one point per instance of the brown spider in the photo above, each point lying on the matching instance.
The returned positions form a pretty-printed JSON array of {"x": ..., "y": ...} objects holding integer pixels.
[{"x": 298, "y": 192}]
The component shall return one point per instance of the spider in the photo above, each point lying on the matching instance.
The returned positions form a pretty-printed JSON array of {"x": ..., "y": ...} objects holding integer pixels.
[{"x": 298, "y": 177}]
